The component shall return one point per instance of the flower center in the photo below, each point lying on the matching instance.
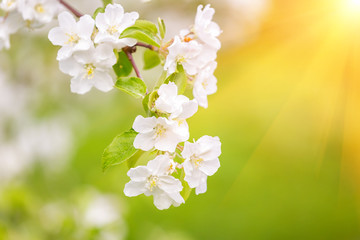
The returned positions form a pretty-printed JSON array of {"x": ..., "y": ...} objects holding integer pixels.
[
  {"x": 180, "y": 59},
  {"x": 196, "y": 161},
  {"x": 39, "y": 8},
  {"x": 205, "y": 84},
  {"x": 152, "y": 182},
  {"x": 160, "y": 130},
  {"x": 112, "y": 30},
  {"x": 90, "y": 69},
  {"x": 72, "y": 39},
  {"x": 10, "y": 3}
]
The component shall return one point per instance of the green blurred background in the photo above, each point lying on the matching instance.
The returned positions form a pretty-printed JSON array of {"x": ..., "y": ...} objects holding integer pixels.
[{"x": 286, "y": 112}]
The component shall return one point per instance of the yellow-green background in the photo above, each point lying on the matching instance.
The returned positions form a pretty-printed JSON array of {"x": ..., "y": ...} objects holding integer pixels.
[{"x": 286, "y": 111}]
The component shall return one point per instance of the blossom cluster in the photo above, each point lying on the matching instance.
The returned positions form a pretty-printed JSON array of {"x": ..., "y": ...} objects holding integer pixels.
[
  {"x": 87, "y": 46},
  {"x": 90, "y": 50},
  {"x": 167, "y": 131},
  {"x": 25, "y": 13}
]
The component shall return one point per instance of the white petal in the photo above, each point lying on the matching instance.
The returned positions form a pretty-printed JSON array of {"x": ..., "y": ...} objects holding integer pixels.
[
  {"x": 103, "y": 81},
  {"x": 80, "y": 85},
  {"x": 144, "y": 141},
  {"x": 162, "y": 201},
  {"x": 143, "y": 125},
  {"x": 66, "y": 21},
  {"x": 188, "y": 109},
  {"x": 170, "y": 184},
  {"x": 57, "y": 36},
  {"x": 210, "y": 147},
  {"x": 138, "y": 174},
  {"x": 64, "y": 53},
  {"x": 202, "y": 188},
  {"x": 70, "y": 66},
  {"x": 85, "y": 26},
  {"x": 159, "y": 165},
  {"x": 210, "y": 167},
  {"x": 133, "y": 189}
]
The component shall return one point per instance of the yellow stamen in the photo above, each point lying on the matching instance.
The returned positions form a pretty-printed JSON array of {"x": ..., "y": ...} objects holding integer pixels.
[
  {"x": 39, "y": 8},
  {"x": 90, "y": 69},
  {"x": 112, "y": 30},
  {"x": 152, "y": 180},
  {"x": 72, "y": 39},
  {"x": 160, "y": 130},
  {"x": 196, "y": 161}
]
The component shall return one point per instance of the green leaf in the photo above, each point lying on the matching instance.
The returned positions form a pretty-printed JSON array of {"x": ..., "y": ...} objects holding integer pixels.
[
  {"x": 133, "y": 160},
  {"x": 162, "y": 28},
  {"x": 146, "y": 25},
  {"x": 140, "y": 34},
  {"x": 106, "y": 2},
  {"x": 151, "y": 59},
  {"x": 123, "y": 66},
  {"x": 152, "y": 98},
  {"x": 119, "y": 150},
  {"x": 179, "y": 78},
  {"x": 131, "y": 85},
  {"x": 185, "y": 193},
  {"x": 97, "y": 11}
]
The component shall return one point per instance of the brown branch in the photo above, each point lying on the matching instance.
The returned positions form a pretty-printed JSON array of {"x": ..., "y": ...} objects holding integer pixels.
[
  {"x": 71, "y": 9},
  {"x": 151, "y": 47},
  {"x": 129, "y": 51}
]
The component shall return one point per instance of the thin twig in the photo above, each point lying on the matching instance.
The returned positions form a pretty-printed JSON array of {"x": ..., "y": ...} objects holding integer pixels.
[
  {"x": 71, "y": 9},
  {"x": 128, "y": 51},
  {"x": 151, "y": 47}
]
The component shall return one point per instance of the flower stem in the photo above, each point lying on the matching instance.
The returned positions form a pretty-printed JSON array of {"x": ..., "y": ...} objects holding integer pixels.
[
  {"x": 128, "y": 51},
  {"x": 71, "y": 9},
  {"x": 151, "y": 47}
]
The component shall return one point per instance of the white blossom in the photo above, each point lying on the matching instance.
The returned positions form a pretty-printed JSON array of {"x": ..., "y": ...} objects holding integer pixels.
[
  {"x": 112, "y": 23},
  {"x": 38, "y": 12},
  {"x": 184, "y": 53},
  {"x": 201, "y": 161},
  {"x": 71, "y": 35},
  {"x": 90, "y": 68},
  {"x": 153, "y": 179},
  {"x": 205, "y": 29},
  {"x": 8, "y": 5},
  {"x": 8, "y": 26},
  {"x": 205, "y": 84},
  {"x": 178, "y": 106},
  {"x": 161, "y": 133}
]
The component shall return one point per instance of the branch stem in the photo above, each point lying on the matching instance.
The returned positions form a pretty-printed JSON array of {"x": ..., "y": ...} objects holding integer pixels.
[
  {"x": 151, "y": 47},
  {"x": 128, "y": 51},
  {"x": 71, "y": 9}
]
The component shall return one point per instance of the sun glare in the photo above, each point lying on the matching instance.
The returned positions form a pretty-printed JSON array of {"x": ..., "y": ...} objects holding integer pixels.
[{"x": 353, "y": 7}]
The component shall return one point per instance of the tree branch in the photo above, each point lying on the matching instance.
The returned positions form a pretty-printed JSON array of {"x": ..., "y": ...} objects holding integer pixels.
[
  {"x": 71, "y": 9},
  {"x": 151, "y": 47},
  {"x": 129, "y": 51}
]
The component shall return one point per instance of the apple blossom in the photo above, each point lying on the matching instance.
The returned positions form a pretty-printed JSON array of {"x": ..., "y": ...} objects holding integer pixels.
[
  {"x": 201, "y": 161},
  {"x": 8, "y": 5},
  {"x": 178, "y": 106},
  {"x": 112, "y": 23},
  {"x": 72, "y": 36},
  {"x": 184, "y": 53},
  {"x": 161, "y": 133},
  {"x": 8, "y": 26},
  {"x": 205, "y": 29},
  {"x": 90, "y": 68},
  {"x": 38, "y": 12},
  {"x": 153, "y": 179},
  {"x": 205, "y": 84}
]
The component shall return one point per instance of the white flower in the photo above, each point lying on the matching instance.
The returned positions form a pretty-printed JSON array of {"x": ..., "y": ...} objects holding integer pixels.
[
  {"x": 8, "y": 5},
  {"x": 112, "y": 23},
  {"x": 38, "y": 12},
  {"x": 8, "y": 26},
  {"x": 71, "y": 35},
  {"x": 184, "y": 53},
  {"x": 205, "y": 84},
  {"x": 153, "y": 179},
  {"x": 178, "y": 106},
  {"x": 161, "y": 133},
  {"x": 90, "y": 68},
  {"x": 205, "y": 29},
  {"x": 201, "y": 161}
]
